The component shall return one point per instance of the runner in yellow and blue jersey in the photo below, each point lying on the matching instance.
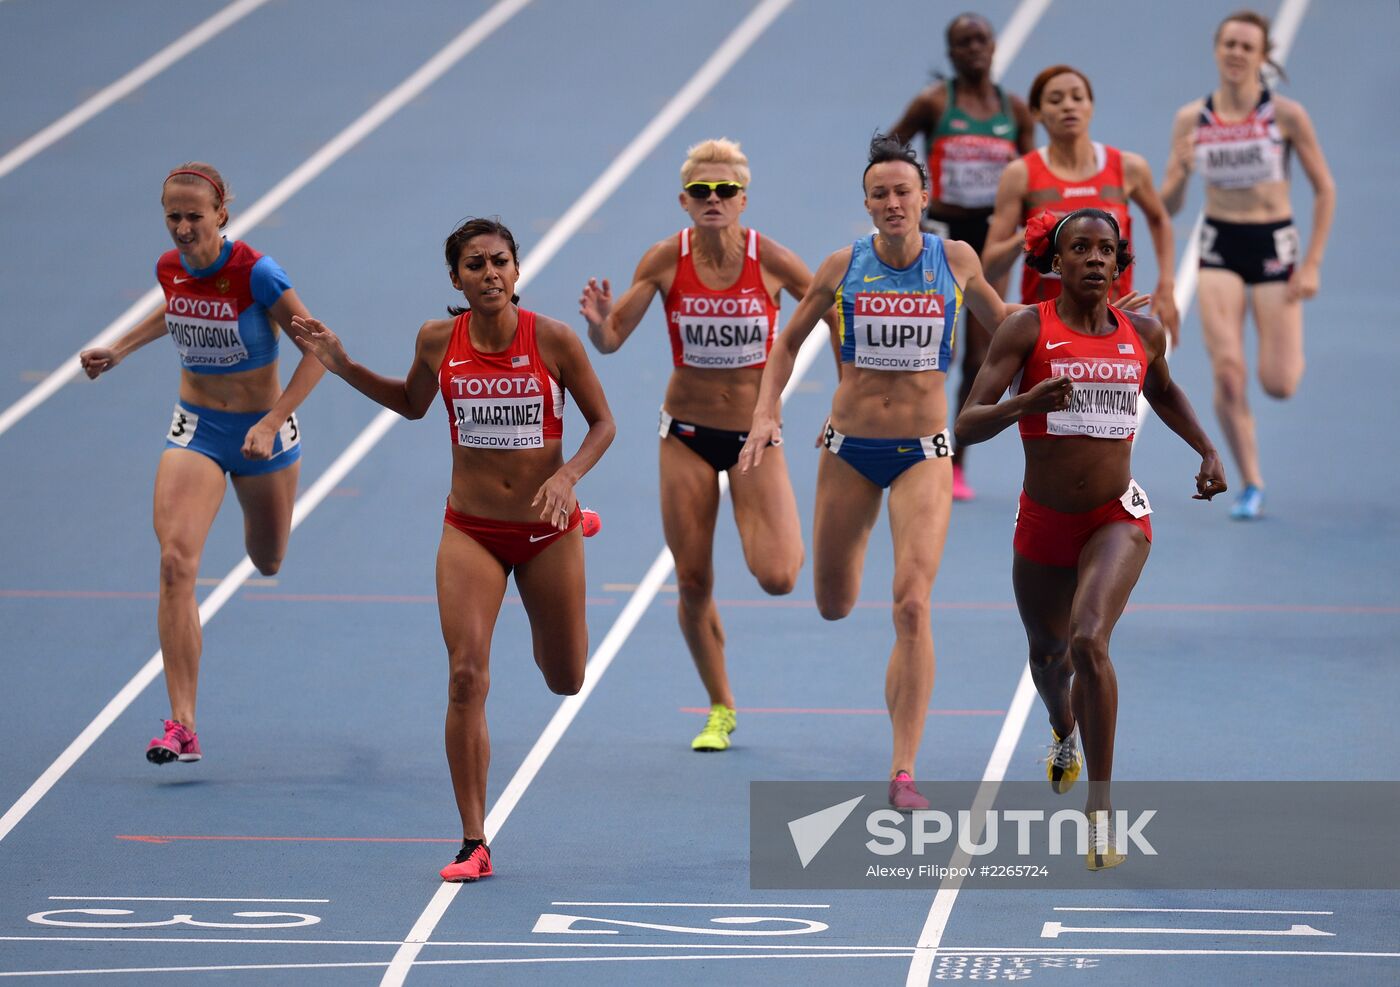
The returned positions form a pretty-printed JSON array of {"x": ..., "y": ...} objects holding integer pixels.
[{"x": 901, "y": 292}]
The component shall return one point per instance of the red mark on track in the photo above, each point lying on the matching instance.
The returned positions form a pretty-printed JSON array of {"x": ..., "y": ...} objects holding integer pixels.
[
  {"x": 288, "y": 839},
  {"x": 846, "y": 712}
]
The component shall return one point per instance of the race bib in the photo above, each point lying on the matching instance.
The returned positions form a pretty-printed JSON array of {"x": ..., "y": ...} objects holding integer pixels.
[
  {"x": 499, "y": 412},
  {"x": 1134, "y": 501},
  {"x": 722, "y": 333},
  {"x": 971, "y": 169},
  {"x": 290, "y": 432},
  {"x": 898, "y": 331},
  {"x": 205, "y": 331},
  {"x": 182, "y": 427},
  {"x": 1104, "y": 399}
]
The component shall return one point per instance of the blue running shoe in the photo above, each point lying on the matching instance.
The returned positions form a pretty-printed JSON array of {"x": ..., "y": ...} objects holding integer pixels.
[{"x": 1250, "y": 506}]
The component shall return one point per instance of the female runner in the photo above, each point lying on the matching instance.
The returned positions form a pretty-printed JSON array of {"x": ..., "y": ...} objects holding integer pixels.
[
  {"x": 1078, "y": 365},
  {"x": 223, "y": 304},
  {"x": 501, "y": 372}
]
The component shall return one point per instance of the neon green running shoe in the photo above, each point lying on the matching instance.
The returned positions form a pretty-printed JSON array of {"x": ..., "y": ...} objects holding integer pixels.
[
  {"x": 1063, "y": 762},
  {"x": 715, "y": 736}
]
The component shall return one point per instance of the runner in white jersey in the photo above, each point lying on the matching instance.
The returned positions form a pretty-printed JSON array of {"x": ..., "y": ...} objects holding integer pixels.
[{"x": 1239, "y": 137}]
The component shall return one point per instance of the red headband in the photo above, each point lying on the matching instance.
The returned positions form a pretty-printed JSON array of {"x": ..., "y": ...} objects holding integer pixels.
[{"x": 218, "y": 192}]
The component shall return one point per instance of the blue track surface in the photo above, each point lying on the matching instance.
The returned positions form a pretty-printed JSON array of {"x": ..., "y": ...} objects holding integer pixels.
[{"x": 1255, "y": 652}]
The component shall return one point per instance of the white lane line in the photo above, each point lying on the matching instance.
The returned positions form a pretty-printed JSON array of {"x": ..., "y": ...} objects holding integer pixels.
[
  {"x": 441, "y": 943},
  {"x": 1202, "y": 911},
  {"x": 1188, "y": 272},
  {"x": 127, "y": 84},
  {"x": 1023, "y": 20},
  {"x": 275, "y": 901},
  {"x": 1053, "y": 930},
  {"x": 896, "y": 953},
  {"x": 676, "y": 904},
  {"x": 299, "y": 178}
]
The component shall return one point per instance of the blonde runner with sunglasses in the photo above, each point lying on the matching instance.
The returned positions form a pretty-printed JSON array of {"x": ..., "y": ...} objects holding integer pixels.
[{"x": 720, "y": 284}]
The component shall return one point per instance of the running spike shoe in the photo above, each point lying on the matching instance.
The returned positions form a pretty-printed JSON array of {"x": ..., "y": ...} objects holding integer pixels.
[
  {"x": 473, "y": 863},
  {"x": 177, "y": 744},
  {"x": 720, "y": 724},
  {"x": 1102, "y": 853},
  {"x": 961, "y": 491},
  {"x": 1063, "y": 762},
  {"x": 590, "y": 522},
  {"x": 1250, "y": 505},
  {"x": 904, "y": 796}
]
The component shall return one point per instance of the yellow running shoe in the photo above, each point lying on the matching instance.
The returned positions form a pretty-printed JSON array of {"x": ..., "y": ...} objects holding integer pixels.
[
  {"x": 1063, "y": 762},
  {"x": 715, "y": 736},
  {"x": 1102, "y": 852}
]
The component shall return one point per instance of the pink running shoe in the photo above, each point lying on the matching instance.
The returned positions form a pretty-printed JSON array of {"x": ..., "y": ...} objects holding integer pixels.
[
  {"x": 904, "y": 796},
  {"x": 961, "y": 491},
  {"x": 473, "y": 863},
  {"x": 590, "y": 522},
  {"x": 178, "y": 744}
]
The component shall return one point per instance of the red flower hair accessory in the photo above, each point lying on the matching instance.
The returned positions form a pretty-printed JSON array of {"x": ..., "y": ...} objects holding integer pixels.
[{"x": 1038, "y": 230}]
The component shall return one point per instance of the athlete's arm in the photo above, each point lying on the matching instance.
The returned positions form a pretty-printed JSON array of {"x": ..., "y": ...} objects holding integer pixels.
[
  {"x": 767, "y": 413},
  {"x": 100, "y": 359},
  {"x": 921, "y": 115},
  {"x": 610, "y": 324},
  {"x": 1299, "y": 129},
  {"x": 1003, "y": 245},
  {"x": 259, "y": 441},
  {"x": 1025, "y": 125},
  {"x": 410, "y": 397},
  {"x": 1171, "y": 405},
  {"x": 793, "y": 275},
  {"x": 563, "y": 352},
  {"x": 979, "y": 296},
  {"x": 1138, "y": 176},
  {"x": 984, "y": 416},
  {"x": 1182, "y": 159}
]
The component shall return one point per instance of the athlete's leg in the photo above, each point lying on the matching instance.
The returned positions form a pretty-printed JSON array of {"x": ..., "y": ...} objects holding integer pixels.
[
  {"x": 552, "y": 588},
  {"x": 1109, "y": 567},
  {"x": 1222, "y": 300},
  {"x": 470, "y": 586},
  {"x": 844, "y": 514},
  {"x": 975, "y": 341},
  {"x": 1280, "y": 324},
  {"x": 189, "y": 490},
  {"x": 689, "y": 505},
  {"x": 267, "y": 500},
  {"x": 1044, "y": 596},
  {"x": 765, "y": 511},
  {"x": 921, "y": 499}
]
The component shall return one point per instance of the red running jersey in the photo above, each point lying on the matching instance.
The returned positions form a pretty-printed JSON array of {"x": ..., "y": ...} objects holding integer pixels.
[
  {"x": 1105, "y": 190},
  {"x": 505, "y": 400},
  {"x": 1107, "y": 373},
  {"x": 725, "y": 329}
]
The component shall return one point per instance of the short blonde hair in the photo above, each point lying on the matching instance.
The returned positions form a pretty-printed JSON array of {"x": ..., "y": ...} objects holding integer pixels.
[{"x": 723, "y": 151}]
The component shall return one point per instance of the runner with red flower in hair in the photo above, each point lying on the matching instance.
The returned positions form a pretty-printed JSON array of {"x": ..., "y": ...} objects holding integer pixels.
[{"x": 1078, "y": 365}]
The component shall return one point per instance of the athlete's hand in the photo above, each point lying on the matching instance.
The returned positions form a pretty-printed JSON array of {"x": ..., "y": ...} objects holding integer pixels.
[
  {"x": 1133, "y": 301},
  {"x": 98, "y": 360},
  {"x": 1164, "y": 308},
  {"x": 1211, "y": 479},
  {"x": 257, "y": 444},
  {"x": 320, "y": 342},
  {"x": 596, "y": 302},
  {"x": 1304, "y": 283},
  {"x": 1049, "y": 395},
  {"x": 765, "y": 432},
  {"x": 556, "y": 500}
]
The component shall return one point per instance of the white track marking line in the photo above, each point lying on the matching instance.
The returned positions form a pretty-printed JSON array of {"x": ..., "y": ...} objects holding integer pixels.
[
  {"x": 428, "y": 73},
  {"x": 676, "y": 904},
  {"x": 1023, "y": 21},
  {"x": 1202, "y": 911},
  {"x": 932, "y": 936},
  {"x": 127, "y": 84},
  {"x": 1188, "y": 272},
  {"x": 273, "y": 901},
  {"x": 458, "y": 944}
]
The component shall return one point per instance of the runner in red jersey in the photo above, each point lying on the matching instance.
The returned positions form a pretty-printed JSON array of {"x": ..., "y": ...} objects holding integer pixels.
[
  {"x": 1082, "y": 531},
  {"x": 223, "y": 304},
  {"x": 1073, "y": 172},
  {"x": 498, "y": 369},
  {"x": 720, "y": 283}
]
